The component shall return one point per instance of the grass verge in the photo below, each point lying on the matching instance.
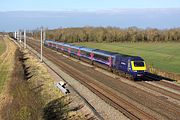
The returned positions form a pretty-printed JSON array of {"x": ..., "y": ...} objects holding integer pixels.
[
  {"x": 6, "y": 69},
  {"x": 2, "y": 45},
  {"x": 6, "y": 60},
  {"x": 34, "y": 95}
]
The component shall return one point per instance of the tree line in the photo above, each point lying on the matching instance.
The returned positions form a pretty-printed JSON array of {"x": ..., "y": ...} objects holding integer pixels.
[{"x": 112, "y": 34}]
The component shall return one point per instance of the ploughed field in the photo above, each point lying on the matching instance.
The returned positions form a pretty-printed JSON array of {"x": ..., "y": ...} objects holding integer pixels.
[{"x": 164, "y": 56}]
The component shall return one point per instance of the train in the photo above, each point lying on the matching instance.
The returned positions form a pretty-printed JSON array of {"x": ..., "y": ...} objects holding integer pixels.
[{"x": 132, "y": 67}]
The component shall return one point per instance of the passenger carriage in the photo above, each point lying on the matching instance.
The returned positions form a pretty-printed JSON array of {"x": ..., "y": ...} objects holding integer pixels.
[
  {"x": 75, "y": 51},
  {"x": 86, "y": 54}
]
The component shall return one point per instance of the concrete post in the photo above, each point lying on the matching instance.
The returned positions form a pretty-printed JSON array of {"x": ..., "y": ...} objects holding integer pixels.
[
  {"x": 24, "y": 39},
  {"x": 44, "y": 35},
  {"x": 15, "y": 34},
  {"x": 20, "y": 36}
]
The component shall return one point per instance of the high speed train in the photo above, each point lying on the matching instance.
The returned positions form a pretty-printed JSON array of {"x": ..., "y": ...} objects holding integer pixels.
[{"x": 133, "y": 67}]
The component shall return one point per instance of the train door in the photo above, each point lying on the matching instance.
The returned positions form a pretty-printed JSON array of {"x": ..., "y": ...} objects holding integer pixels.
[
  {"x": 110, "y": 61},
  {"x": 129, "y": 65}
]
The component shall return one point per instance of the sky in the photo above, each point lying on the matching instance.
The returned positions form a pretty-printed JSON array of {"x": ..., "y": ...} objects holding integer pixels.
[
  {"x": 30, "y": 14},
  {"x": 56, "y": 5}
]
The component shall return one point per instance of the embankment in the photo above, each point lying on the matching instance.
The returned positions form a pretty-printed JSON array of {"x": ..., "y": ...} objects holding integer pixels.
[{"x": 30, "y": 93}]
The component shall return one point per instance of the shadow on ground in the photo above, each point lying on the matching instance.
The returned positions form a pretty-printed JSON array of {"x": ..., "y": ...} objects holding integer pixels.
[
  {"x": 153, "y": 77},
  {"x": 58, "y": 109}
]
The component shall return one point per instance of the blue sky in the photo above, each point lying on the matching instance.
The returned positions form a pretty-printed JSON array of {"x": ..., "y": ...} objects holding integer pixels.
[
  {"x": 58, "y": 5},
  {"x": 31, "y": 14}
]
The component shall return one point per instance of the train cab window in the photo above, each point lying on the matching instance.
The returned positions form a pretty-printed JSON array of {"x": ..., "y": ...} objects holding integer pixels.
[{"x": 138, "y": 63}]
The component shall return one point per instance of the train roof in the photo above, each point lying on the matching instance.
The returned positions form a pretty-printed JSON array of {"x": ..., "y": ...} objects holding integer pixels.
[
  {"x": 108, "y": 53},
  {"x": 49, "y": 40},
  {"x": 103, "y": 52},
  {"x": 132, "y": 58},
  {"x": 97, "y": 51},
  {"x": 76, "y": 47},
  {"x": 124, "y": 55},
  {"x": 87, "y": 49},
  {"x": 136, "y": 58},
  {"x": 60, "y": 43},
  {"x": 67, "y": 45},
  {"x": 52, "y": 41}
]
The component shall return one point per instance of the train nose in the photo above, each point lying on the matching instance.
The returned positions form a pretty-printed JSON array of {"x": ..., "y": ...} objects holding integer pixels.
[{"x": 140, "y": 75}]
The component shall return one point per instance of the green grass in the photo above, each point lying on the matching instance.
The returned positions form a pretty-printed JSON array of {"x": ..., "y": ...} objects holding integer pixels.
[
  {"x": 3, "y": 75},
  {"x": 165, "y": 56},
  {"x": 2, "y": 46},
  {"x": 3, "y": 67}
]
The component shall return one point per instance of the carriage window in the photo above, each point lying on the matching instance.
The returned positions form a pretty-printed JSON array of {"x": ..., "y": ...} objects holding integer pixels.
[
  {"x": 74, "y": 50},
  {"x": 100, "y": 57},
  {"x": 59, "y": 46},
  {"x": 65, "y": 48},
  {"x": 85, "y": 53}
]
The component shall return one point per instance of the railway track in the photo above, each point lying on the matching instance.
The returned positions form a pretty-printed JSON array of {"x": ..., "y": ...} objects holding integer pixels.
[
  {"x": 164, "y": 86},
  {"x": 107, "y": 95},
  {"x": 170, "y": 85},
  {"x": 162, "y": 80},
  {"x": 122, "y": 105},
  {"x": 160, "y": 89}
]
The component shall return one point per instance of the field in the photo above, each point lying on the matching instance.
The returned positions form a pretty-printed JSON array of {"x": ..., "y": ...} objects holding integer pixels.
[{"x": 164, "y": 56}]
